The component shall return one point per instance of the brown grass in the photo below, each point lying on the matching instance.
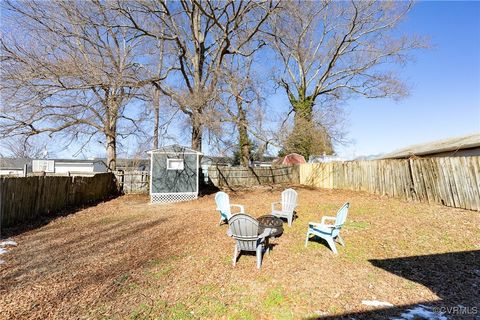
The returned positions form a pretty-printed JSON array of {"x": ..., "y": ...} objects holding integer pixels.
[{"x": 126, "y": 258}]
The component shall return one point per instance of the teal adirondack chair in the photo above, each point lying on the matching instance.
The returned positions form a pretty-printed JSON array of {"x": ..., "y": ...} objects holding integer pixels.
[
  {"x": 223, "y": 205},
  {"x": 329, "y": 232}
]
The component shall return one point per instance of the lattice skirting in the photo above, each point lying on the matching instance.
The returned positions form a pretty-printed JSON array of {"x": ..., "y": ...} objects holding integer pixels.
[{"x": 172, "y": 197}]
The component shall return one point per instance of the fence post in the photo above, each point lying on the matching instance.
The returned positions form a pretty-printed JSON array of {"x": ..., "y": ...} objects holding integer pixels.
[{"x": 1, "y": 205}]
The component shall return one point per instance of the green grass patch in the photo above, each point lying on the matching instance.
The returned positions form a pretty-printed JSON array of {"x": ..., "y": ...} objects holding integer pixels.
[
  {"x": 121, "y": 279},
  {"x": 241, "y": 315},
  {"x": 146, "y": 311},
  {"x": 153, "y": 263},
  {"x": 210, "y": 307},
  {"x": 276, "y": 304},
  {"x": 352, "y": 253},
  {"x": 179, "y": 311},
  {"x": 141, "y": 312},
  {"x": 162, "y": 272},
  {"x": 208, "y": 303},
  {"x": 358, "y": 225},
  {"x": 283, "y": 314},
  {"x": 206, "y": 288},
  {"x": 275, "y": 297}
]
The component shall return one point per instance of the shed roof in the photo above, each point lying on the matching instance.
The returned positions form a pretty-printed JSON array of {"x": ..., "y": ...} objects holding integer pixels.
[
  {"x": 174, "y": 148},
  {"x": 14, "y": 163},
  {"x": 445, "y": 145}
]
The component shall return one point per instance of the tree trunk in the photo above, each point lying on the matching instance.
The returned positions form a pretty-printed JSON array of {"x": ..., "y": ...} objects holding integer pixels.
[
  {"x": 300, "y": 140},
  {"x": 307, "y": 137},
  {"x": 244, "y": 142},
  {"x": 303, "y": 109},
  {"x": 111, "y": 131},
  {"x": 111, "y": 151},
  {"x": 156, "y": 116},
  {"x": 197, "y": 131}
]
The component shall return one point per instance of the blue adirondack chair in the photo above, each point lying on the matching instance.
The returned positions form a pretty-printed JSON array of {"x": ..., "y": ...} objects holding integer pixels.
[
  {"x": 223, "y": 205},
  {"x": 330, "y": 232}
]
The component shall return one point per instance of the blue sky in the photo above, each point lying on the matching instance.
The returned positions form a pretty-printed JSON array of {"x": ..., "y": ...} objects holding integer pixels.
[
  {"x": 445, "y": 85},
  {"x": 444, "y": 100},
  {"x": 444, "y": 82}
]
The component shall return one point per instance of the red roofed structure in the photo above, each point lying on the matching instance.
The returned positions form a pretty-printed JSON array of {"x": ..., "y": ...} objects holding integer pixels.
[{"x": 289, "y": 159}]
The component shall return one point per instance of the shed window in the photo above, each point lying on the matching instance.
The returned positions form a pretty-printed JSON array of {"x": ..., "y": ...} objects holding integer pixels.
[{"x": 175, "y": 164}]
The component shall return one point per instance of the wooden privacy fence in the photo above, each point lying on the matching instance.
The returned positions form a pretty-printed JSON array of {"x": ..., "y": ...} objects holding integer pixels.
[
  {"x": 223, "y": 176},
  {"x": 23, "y": 199},
  {"x": 451, "y": 181},
  {"x": 133, "y": 181}
]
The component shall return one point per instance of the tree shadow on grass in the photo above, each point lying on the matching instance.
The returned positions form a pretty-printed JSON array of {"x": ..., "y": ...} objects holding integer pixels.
[
  {"x": 66, "y": 248},
  {"x": 45, "y": 218},
  {"x": 454, "y": 277},
  {"x": 81, "y": 267}
]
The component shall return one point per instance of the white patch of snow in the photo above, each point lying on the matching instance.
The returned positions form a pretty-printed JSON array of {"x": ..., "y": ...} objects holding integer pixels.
[
  {"x": 421, "y": 312},
  {"x": 8, "y": 243},
  {"x": 376, "y": 303},
  {"x": 2, "y": 261},
  {"x": 2, "y": 251}
]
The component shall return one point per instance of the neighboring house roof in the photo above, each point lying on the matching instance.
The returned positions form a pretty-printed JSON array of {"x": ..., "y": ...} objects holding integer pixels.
[
  {"x": 266, "y": 159},
  {"x": 57, "y": 165},
  {"x": 142, "y": 164},
  {"x": 292, "y": 158},
  {"x": 262, "y": 163},
  {"x": 14, "y": 163},
  {"x": 73, "y": 160},
  {"x": 324, "y": 158},
  {"x": 446, "y": 145},
  {"x": 174, "y": 148},
  {"x": 214, "y": 160},
  {"x": 369, "y": 157}
]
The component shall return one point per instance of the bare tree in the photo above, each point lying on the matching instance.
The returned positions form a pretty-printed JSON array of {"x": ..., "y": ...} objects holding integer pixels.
[
  {"x": 333, "y": 50},
  {"x": 156, "y": 96},
  {"x": 200, "y": 35},
  {"x": 242, "y": 98},
  {"x": 19, "y": 147},
  {"x": 68, "y": 68}
]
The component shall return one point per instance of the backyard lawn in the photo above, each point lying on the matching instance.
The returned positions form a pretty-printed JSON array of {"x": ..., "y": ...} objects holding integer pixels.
[{"x": 126, "y": 259}]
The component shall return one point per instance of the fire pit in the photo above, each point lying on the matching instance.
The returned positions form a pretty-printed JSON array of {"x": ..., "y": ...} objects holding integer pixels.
[{"x": 271, "y": 222}]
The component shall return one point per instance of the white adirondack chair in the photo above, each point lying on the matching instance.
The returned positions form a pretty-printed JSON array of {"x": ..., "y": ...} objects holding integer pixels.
[
  {"x": 329, "y": 232},
  {"x": 223, "y": 205},
  {"x": 288, "y": 203}
]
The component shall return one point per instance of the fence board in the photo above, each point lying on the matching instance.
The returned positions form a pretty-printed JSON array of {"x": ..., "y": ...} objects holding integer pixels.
[
  {"x": 223, "y": 176},
  {"x": 25, "y": 198},
  {"x": 133, "y": 181},
  {"x": 452, "y": 181},
  {"x": 474, "y": 173}
]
